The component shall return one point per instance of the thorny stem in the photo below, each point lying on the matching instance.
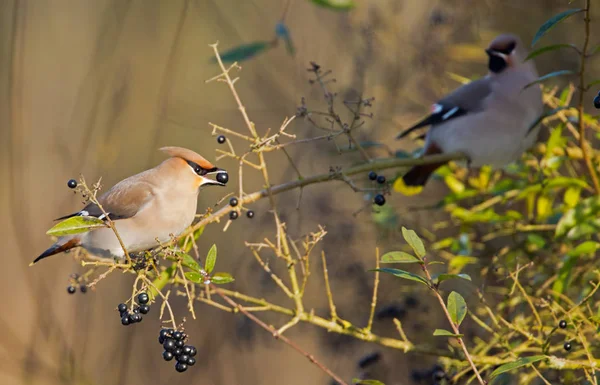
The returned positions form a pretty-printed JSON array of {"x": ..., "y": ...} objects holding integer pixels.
[
  {"x": 583, "y": 143},
  {"x": 454, "y": 326}
]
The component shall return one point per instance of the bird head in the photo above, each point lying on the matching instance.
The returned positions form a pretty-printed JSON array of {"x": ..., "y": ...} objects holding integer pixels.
[
  {"x": 196, "y": 167},
  {"x": 505, "y": 51}
]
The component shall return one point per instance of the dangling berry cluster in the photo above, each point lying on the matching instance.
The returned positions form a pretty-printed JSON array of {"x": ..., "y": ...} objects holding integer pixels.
[
  {"x": 76, "y": 281},
  {"x": 128, "y": 318},
  {"x": 175, "y": 348},
  {"x": 379, "y": 199}
]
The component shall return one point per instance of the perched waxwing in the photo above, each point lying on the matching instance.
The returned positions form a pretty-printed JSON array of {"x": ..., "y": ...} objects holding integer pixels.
[
  {"x": 489, "y": 119},
  {"x": 146, "y": 207}
]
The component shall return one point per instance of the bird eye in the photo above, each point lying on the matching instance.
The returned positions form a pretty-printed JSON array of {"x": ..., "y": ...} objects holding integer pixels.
[{"x": 198, "y": 169}]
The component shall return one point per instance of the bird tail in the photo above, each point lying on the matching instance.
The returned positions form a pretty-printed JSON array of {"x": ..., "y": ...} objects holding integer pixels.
[
  {"x": 60, "y": 246},
  {"x": 419, "y": 175}
]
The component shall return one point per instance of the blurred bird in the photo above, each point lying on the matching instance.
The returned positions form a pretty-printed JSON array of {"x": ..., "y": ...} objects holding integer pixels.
[
  {"x": 145, "y": 207},
  {"x": 489, "y": 119}
]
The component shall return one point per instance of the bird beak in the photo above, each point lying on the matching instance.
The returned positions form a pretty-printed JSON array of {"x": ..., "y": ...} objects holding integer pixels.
[
  {"x": 491, "y": 52},
  {"x": 221, "y": 178}
]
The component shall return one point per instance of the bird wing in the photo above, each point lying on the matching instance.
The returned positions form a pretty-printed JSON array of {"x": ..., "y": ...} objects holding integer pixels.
[
  {"x": 464, "y": 100},
  {"x": 123, "y": 200}
]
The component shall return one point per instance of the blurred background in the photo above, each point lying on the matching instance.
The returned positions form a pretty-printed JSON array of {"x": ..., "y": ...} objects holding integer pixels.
[{"x": 96, "y": 87}]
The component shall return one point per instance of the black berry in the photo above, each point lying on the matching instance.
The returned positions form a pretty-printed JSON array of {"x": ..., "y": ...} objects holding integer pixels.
[
  {"x": 135, "y": 317},
  {"x": 223, "y": 177},
  {"x": 191, "y": 361},
  {"x": 71, "y": 289},
  {"x": 379, "y": 200},
  {"x": 179, "y": 343},
  {"x": 372, "y": 175},
  {"x": 233, "y": 202},
  {"x": 193, "y": 351},
  {"x": 381, "y": 179},
  {"x": 177, "y": 352},
  {"x": 183, "y": 358},
  {"x": 187, "y": 349},
  {"x": 122, "y": 308},
  {"x": 167, "y": 355},
  {"x": 233, "y": 215},
  {"x": 143, "y": 298},
  {"x": 169, "y": 345},
  {"x": 567, "y": 346},
  {"x": 597, "y": 101},
  {"x": 221, "y": 139},
  {"x": 164, "y": 333},
  {"x": 250, "y": 214},
  {"x": 136, "y": 310},
  {"x": 181, "y": 367},
  {"x": 83, "y": 289},
  {"x": 144, "y": 309},
  {"x": 125, "y": 320},
  {"x": 562, "y": 324},
  {"x": 438, "y": 375},
  {"x": 177, "y": 335},
  {"x": 72, "y": 183}
]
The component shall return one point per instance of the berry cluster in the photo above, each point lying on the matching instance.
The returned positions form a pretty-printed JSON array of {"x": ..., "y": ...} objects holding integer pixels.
[
  {"x": 128, "y": 318},
  {"x": 175, "y": 348},
  {"x": 597, "y": 101},
  {"x": 76, "y": 281},
  {"x": 379, "y": 199},
  {"x": 233, "y": 215}
]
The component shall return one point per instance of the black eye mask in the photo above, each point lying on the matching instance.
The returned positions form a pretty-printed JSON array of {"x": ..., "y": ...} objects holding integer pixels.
[
  {"x": 199, "y": 170},
  {"x": 497, "y": 64}
]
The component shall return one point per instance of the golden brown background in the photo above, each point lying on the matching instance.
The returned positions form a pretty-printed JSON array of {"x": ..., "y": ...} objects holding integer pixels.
[{"x": 95, "y": 87}]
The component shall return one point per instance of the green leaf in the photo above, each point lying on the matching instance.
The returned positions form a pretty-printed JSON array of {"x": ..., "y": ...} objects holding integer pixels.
[
  {"x": 414, "y": 241},
  {"x": 445, "y": 333},
  {"x": 459, "y": 262},
  {"x": 536, "y": 240},
  {"x": 457, "y": 307},
  {"x": 588, "y": 247},
  {"x": 572, "y": 195},
  {"x": 403, "y": 274},
  {"x": 523, "y": 361},
  {"x": 75, "y": 225},
  {"x": 563, "y": 181},
  {"x": 548, "y": 76},
  {"x": 161, "y": 281},
  {"x": 336, "y": 5},
  {"x": 444, "y": 277},
  {"x": 548, "y": 25},
  {"x": 358, "y": 381},
  {"x": 548, "y": 48},
  {"x": 194, "y": 276},
  {"x": 211, "y": 259},
  {"x": 556, "y": 140},
  {"x": 244, "y": 51},
  {"x": 454, "y": 184},
  {"x": 188, "y": 261},
  {"x": 221, "y": 278},
  {"x": 399, "y": 257},
  {"x": 283, "y": 32}
]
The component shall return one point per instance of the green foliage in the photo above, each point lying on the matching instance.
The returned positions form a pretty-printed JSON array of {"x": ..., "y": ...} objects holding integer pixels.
[
  {"x": 399, "y": 257},
  {"x": 445, "y": 333},
  {"x": 221, "y": 278},
  {"x": 552, "y": 22},
  {"x": 75, "y": 225},
  {"x": 457, "y": 307},
  {"x": 244, "y": 51},
  {"x": 336, "y": 5},
  {"x": 414, "y": 241},
  {"x": 548, "y": 48},
  {"x": 523, "y": 361},
  {"x": 548, "y": 76},
  {"x": 403, "y": 274},
  {"x": 211, "y": 259}
]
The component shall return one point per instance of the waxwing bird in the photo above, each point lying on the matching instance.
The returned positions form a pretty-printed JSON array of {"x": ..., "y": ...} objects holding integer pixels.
[
  {"x": 489, "y": 119},
  {"x": 145, "y": 207}
]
